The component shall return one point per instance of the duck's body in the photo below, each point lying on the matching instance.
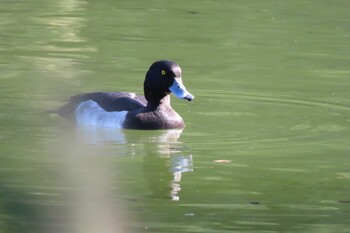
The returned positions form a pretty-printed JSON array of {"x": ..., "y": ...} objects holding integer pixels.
[{"x": 128, "y": 110}]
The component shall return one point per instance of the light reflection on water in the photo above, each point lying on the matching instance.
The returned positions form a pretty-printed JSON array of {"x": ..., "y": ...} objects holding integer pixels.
[{"x": 169, "y": 149}]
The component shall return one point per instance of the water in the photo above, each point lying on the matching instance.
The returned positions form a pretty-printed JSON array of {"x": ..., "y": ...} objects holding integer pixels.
[{"x": 265, "y": 148}]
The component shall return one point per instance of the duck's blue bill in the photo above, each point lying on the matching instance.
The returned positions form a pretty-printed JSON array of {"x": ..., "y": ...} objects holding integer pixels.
[{"x": 179, "y": 90}]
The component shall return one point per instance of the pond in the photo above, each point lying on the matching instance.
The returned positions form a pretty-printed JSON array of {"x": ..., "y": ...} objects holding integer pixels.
[{"x": 266, "y": 144}]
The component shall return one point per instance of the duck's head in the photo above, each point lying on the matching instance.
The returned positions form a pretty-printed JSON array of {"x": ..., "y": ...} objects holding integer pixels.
[{"x": 162, "y": 78}]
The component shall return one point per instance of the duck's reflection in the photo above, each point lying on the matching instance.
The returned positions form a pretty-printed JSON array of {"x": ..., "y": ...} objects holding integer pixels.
[
  {"x": 179, "y": 165},
  {"x": 95, "y": 135},
  {"x": 164, "y": 159}
]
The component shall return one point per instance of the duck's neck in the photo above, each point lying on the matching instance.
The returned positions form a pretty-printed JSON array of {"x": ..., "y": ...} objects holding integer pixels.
[{"x": 156, "y": 104}]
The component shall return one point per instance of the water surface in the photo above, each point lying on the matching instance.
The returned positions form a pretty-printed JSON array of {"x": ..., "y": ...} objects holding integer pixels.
[{"x": 265, "y": 148}]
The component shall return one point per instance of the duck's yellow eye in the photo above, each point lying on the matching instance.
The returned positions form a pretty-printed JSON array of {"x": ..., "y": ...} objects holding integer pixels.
[{"x": 163, "y": 72}]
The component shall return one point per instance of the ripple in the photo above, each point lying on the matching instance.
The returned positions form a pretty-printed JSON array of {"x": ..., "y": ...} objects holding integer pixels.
[
  {"x": 258, "y": 119},
  {"x": 277, "y": 98},
  {"x": 288, "y": 170},
  {"x": 310, "y": 207},
  {"x": 343, "y": 175},
  {"x": 246, "y": 206}
]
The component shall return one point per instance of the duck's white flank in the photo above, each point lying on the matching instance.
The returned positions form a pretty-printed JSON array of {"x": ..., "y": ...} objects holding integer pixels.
[{"x": 90, "y": 113}]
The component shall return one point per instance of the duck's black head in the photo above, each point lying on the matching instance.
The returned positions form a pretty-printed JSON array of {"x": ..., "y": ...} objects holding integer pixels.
[{"x": 162, "y": 78}]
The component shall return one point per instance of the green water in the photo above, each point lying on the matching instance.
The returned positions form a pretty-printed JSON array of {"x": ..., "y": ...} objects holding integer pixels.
[{"x": 266, "y": 143}]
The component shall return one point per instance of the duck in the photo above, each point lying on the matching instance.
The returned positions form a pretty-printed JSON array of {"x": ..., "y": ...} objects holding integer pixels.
[{"x": 130, "y": 111}]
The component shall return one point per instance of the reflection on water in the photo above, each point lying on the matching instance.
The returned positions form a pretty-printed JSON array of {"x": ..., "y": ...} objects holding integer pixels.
[
  {"x": 94, "y": 135},
  {"x": 179, "y": 164},
  {"x": 168, "y": 158}
]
